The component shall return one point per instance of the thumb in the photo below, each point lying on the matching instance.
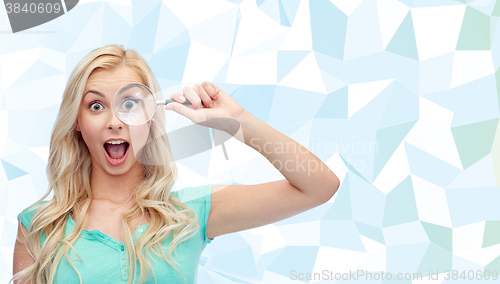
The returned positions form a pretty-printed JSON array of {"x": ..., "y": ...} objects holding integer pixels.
[{"x": 179, "y": 108}]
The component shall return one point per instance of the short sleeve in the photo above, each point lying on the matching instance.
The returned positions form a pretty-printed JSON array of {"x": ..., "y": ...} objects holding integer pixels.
[
  {"x": 27, "y": 214},
  {"x": 198, "y": 198}
]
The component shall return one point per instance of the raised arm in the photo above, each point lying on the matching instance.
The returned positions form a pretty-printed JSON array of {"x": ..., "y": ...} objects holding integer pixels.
[{"x": 308, "y": 181}]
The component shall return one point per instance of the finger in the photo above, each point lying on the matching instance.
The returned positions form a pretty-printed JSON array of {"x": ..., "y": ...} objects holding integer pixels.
[
  {"x": 211, "y": 89},
  {"x": 192, "y": 96},
  {"x": 178, "y": 97},
  {"x": 205, "y": 98},
  {"x": 196, "y": 116}
]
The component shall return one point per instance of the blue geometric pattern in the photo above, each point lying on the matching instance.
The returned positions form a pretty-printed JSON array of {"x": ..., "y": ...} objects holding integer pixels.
[{"x": 400, "y": 98}]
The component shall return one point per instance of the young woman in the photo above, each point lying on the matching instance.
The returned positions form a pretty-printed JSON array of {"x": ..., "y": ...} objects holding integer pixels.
[{"x": 113, "y": 218}]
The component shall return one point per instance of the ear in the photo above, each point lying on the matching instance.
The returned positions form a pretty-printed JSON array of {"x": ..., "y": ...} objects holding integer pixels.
[{"x": 77, "y": 127}]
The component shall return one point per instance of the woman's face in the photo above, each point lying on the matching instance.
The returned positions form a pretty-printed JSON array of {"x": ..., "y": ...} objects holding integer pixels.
[{"x": 98, "y": 124}]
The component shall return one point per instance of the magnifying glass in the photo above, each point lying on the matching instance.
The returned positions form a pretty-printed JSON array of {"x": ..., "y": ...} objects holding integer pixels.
[{"x": 135, "y": 104}]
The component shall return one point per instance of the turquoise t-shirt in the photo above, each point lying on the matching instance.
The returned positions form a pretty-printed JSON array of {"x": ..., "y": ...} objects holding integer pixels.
[{"x": 103, "y": 257}]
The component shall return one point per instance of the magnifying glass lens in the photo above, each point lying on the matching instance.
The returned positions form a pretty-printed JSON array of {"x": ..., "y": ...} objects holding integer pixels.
[{"x": 134, "y": 104}]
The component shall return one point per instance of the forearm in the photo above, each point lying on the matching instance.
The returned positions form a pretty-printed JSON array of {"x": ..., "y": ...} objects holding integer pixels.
[{"x": 298, "y": 165}]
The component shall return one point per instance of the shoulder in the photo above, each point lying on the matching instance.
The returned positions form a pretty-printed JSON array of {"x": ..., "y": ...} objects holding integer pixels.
[
  {"x": 27, "y": 214},
  {"x": 194, "y": 194},
  {"x": 198, "y": 198}
]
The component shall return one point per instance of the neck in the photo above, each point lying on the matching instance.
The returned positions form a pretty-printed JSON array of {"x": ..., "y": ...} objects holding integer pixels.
[{"x": 116, "y": 189}]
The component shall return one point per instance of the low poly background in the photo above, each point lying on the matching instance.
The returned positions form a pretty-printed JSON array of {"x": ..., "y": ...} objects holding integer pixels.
[{"x": 399, "y": 98}]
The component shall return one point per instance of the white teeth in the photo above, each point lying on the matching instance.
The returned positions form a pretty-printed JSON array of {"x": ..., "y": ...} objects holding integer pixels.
[{"x": 116, "y": 142}]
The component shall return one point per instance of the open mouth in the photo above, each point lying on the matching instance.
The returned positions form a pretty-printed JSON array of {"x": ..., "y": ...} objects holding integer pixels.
[{"x": 116, "y": 154}]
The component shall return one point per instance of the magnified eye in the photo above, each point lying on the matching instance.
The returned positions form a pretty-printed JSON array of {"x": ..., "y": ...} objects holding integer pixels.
[{"x": 129, "y": 103}]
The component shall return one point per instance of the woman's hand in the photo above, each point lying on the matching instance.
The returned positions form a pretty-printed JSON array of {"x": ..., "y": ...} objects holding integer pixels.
[{"x": 210, "y": 106}]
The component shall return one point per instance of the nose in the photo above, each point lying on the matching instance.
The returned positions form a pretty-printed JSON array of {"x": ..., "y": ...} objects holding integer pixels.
[{"x": 114, "y": 122}]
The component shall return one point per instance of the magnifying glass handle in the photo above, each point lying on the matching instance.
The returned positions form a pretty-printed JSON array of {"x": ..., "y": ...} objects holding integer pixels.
[{"x": 167, "y": 101}]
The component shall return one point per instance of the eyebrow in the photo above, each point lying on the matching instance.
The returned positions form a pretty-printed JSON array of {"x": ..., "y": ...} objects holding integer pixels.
[{"x": 95, "y": 92}]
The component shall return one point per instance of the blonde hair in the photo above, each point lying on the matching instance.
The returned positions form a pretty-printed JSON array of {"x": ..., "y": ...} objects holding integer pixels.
[{"x": 69, "y": 168}]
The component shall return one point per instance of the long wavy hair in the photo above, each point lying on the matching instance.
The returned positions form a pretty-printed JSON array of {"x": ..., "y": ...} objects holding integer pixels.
[{"x": 69, "y": 169}]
